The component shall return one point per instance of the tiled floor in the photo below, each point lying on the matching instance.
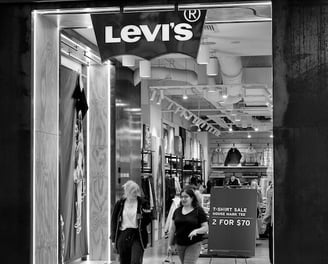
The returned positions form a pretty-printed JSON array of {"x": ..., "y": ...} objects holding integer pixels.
[{"x": 157, "y": 254}]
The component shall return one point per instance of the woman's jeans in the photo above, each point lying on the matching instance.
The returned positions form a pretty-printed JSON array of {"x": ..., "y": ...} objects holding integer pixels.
[
  {"x": 129, "y": 247},
  {"x": 189, "y": 254}
]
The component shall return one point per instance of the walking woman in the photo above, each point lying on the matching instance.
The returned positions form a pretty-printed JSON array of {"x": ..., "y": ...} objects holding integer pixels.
[
  {"x": 188, "y": 227},
  {"x": 130, "y": 218}
]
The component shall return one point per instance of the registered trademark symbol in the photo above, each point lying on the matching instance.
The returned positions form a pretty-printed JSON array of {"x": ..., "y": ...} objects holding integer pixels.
[{"x": 192, "y": 15}]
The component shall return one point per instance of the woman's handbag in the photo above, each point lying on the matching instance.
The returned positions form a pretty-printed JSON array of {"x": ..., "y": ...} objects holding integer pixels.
[{"x": 168, "y": 259}]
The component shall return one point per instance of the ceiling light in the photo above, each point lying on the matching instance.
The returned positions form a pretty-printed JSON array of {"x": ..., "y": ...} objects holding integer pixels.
[
  {"x": 153, "y": 95},
  {"x": 256, "y": 128},
  {"x": 203, "y": 125},
  {"x": 203, "y": 54},
  {"x": 212, "y": 68},
  {"x": 170, "y": 106},
  {"x": 159, "y": 100},
  {"x": 128, "y": 61},
  {"x": 271, "y": 136},
  {"x": 144, "y": 69},
  {"x": 188, "y": 117},
  {"x": 230, "y": 129},
  {"x": 161, "y": 94},
  {"x": 249, "y": 136},
  {"x": 237, "y": 118},
  {"x": 185, "y": 96}
]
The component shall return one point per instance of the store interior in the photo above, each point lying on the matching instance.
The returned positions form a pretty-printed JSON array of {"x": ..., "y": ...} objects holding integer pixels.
[{"x": 165, "y": 123}]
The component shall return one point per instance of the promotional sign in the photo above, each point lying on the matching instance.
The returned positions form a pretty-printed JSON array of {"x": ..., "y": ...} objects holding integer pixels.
[
  {"x": 148, "y": 34},
  {"x": 232, "y": 222}
]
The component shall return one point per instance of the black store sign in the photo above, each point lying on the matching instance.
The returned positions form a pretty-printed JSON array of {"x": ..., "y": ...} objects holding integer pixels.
[
  {"x": 232, "y": 222},
  {"x": 149, "y": 34}
]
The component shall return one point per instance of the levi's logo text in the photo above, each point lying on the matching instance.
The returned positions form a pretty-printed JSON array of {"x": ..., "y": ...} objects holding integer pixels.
[
  {"x": 133, "y": 33},
  {"x": 148, "y": 34}
]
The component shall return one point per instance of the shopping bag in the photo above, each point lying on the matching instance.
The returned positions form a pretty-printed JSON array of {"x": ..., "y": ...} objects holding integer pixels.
[{"x": 168, "y": 260}]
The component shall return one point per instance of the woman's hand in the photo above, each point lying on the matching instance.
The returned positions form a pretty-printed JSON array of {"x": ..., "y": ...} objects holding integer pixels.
[
  {"x": 114, "y": 248},
  {"x": 192, "y": 234}
]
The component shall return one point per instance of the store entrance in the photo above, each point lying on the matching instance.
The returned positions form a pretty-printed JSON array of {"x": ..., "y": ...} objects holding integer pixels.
[{"x": 168, "y": 119}]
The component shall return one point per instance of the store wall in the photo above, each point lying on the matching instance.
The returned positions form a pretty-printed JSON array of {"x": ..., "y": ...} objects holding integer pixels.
[
  {"x": 300, "y": 132},
  {"x": 46, "y": 131},
  {"x": 98, "y": 162},
  {"x": 300, "y": 34}
]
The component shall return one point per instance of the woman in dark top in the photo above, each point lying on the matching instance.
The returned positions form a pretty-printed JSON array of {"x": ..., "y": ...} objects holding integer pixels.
[{"x": 188, "y": 227}]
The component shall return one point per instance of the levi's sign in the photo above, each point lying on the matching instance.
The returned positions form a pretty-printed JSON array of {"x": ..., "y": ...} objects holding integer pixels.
[{"x": 148, "y": 35}]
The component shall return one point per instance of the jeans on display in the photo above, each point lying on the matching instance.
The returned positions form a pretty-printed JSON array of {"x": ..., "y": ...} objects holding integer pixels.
[
  {"x": 129, "y": 247},
  {"x": 189, "y": 254}
]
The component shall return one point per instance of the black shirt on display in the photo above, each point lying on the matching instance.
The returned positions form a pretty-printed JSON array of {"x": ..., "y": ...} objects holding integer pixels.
[
  {"x": 186, "y": 223},
  {"x": 233, "y": 157}
]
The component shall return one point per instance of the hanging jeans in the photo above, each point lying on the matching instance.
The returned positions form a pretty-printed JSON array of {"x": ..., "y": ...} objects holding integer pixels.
[
  {"x": 129, "y": 247},
  {"x": 189, "y": 254}
]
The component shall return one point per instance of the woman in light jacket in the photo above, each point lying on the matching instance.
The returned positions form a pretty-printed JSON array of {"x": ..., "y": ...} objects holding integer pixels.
[{"x": 129, "y": 221}]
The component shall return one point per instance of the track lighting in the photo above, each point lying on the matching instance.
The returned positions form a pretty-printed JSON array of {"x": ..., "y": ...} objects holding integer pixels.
[
  {"x": 159, "y": 100},
  {"x": 170, "y": 106},
  {"x": 161, "y": 92},
  {"x": 177, "y": 110},
  {"x": 185, "y": 96},
  {"x": 153, "y": 95}
]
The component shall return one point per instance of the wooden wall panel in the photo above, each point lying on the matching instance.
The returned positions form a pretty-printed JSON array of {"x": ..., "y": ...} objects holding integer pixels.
[
  {"x": 46, "y": 199},
  {"x": 46, "y": 150},
  {"x": 300, "y": 59},
  {"x": 98, "y": 193}
]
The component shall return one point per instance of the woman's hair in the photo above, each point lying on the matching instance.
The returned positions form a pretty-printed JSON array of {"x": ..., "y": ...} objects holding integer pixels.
[
  {"x": 129, "y": 187},
  {"x": 189, "y": 190}
]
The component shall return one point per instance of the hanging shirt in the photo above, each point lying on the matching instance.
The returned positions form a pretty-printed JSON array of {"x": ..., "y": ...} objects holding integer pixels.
[
  {"x": 217, "y": 157},
  {"x": 250, "y": 157},
  {"x": 80, "y": 98},
  {"x": 233, "y": 157}
]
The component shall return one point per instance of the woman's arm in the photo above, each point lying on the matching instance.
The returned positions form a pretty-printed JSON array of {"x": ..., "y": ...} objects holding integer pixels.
[
  {"x": 201, "y": 230},
  {"x": 171, "y": 245},
  {"x": 171, "y": 234}
]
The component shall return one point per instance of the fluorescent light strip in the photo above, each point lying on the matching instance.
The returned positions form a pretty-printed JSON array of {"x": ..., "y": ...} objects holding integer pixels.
[
  {"x": 79, "y": 11},
  {"x": 109, "y": 157},
  {"x": 260, "y": 20},
  {"x": 218, "y": 5},
  {"x": 34, "y": 22},
  {"x": 148, "y": 8},
  {"x": 88, "y": 155},
  {"x": 57, "y": 131}
]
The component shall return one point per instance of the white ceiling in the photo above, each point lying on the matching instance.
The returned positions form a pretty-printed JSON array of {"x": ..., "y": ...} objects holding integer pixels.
[{"x": 240, "y": 35}]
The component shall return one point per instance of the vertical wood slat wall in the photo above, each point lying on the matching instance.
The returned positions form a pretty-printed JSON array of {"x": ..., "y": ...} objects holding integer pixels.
[
  {"x": 46, "y": 142},
  {"x": 98, "y": 160}
]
